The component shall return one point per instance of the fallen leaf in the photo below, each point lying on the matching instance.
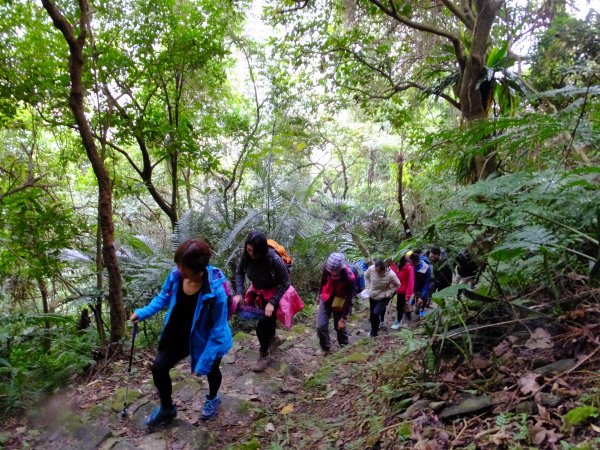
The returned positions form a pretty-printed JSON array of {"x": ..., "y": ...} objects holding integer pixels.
[
  {"x": 539, "y": 437},
  {"x": 502, "y": 348},
  {"x": 528, "y": 383},
  {"x": 331, "y": 394},
  {"x": 540, "y": 339},
  {"x": 287, "y": 409},
  {"x": 269, "y": 427}
]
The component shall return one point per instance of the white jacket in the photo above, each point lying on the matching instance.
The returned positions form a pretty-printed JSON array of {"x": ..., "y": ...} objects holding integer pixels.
[{"x": 383, "y": 286}]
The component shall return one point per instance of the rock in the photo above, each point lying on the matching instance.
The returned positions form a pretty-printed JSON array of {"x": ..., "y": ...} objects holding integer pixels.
[
  {"x": 540, "y": 361},
  {"x": 241, "y": 336},
  {"x": 527, "y": 407},
  {"x": 124, "y": 446},
  {"x": 90, "y": 436},
  {"x": 153, "y": 441},
  {"x": 358, "y": 357},
  {"x": 187, "y": 391},
  {"x": 549, "y": 400},
  {"x": 118, "y": 399},
  {"x": 415, "y": 408},
  {"x": 470, "y": 405},
  {"x": 436, "y": 406},
  {"x": 556, "y": 367},
  {"x": 229, "y": 358},
  {"x": 433, "y": 390}
]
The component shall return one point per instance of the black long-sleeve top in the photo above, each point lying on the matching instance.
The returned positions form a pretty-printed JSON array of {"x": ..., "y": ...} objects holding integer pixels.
[{"x": 266, "y": 272}]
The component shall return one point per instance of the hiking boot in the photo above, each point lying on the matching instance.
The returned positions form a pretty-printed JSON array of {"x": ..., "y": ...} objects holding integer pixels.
[
  {"x": 325, "y": 351},
  {"x": 210, "y": 407},
  {"x": 161, "y": 416},
  {"x": 261, "y": 363},
  {"x": 382, "y": 327},
  {"x": 396, "y": 326}
]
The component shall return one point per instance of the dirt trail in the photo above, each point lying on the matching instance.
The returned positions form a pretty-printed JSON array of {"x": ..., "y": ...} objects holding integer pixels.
[{"x": 87, "y": 416}]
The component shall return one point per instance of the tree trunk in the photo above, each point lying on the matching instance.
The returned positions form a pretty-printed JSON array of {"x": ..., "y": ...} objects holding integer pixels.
[
  {"x": 475, "y": 100},
  {"x": 362, "y": 247},
  {"x": 97, "y": 309},
  {"x": 76, "y": 102},
  {"x": 44, "y": 293},
  {"x": 400, "y": 163}
]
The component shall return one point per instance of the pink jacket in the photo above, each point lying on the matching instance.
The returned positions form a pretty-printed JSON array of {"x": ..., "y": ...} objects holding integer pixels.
[{"x": 406, "y": 275}]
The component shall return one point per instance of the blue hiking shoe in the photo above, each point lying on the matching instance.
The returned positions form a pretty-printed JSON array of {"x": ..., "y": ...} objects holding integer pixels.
[
  {"x": 161, "y": 416},
  {"x": 210, "y": 407}
]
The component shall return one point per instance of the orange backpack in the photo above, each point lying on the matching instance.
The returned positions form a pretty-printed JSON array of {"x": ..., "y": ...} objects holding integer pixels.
[{"x": 280, "y": 249}]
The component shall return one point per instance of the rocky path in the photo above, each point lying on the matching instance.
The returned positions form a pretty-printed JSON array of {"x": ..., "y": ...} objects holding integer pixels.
[{"x": 88, "y": 416}]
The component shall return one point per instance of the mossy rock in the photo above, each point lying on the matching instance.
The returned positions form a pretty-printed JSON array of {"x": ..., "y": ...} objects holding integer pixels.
[
  {"x": 118, "y": 399},
  {"x": 355, "y": 357},
  {"x": 298, "y": 329},
  {"x": 95, "y": 411},
  {"x": 72, "y": 422},
  {"x": 241, "y": 336},
  {"x": 320, "y": 378}
]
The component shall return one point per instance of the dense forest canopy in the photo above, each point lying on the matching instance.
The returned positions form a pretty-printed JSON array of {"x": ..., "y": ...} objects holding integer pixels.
[{"x": 368, "y": 127}]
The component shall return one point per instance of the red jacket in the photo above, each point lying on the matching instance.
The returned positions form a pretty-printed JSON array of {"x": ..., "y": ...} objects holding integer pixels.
[{"x": 406, "y": 275}]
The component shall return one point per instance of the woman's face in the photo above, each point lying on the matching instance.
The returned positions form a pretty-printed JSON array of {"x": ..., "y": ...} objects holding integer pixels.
[
  {"x": 188, "y": 274},
  {"x": 335, "y": 274},
  {"x": 380, "y": 271},
  {"x": 250, "y": 250}
]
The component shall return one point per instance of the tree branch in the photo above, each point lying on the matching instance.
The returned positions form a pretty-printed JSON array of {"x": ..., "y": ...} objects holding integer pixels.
[
  {"x": 468, "y": 21},
  {"x": 455, "y": 40}
]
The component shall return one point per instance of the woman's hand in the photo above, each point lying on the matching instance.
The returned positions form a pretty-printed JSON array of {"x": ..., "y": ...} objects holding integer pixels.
[
  {"x": 269, "y": 310},
  {"x": 237, "y": 299},
  {"x": 341, "y": 324},
  {"x": 134, "y": 318}
]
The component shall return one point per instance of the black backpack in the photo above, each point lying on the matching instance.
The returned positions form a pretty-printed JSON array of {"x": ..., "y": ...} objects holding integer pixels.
[{"x": 465, "y": 266}]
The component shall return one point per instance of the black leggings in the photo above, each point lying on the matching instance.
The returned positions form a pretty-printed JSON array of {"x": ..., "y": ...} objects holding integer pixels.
[
  {"x": 265, "y": 330},
  {"x": 165, "y": 360},
  {"x": 400, "y": 304}
]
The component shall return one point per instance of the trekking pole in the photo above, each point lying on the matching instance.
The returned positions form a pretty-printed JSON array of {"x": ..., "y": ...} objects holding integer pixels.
[{"x": 124, "y": 412}]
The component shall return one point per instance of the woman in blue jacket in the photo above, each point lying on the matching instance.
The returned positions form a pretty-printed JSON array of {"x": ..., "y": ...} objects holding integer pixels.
[{"x": 195, "y": 325}]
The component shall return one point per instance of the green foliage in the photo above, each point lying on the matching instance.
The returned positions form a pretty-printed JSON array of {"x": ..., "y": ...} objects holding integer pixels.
[
  {"x": 580, "y": 415},
  {"x": 36, "y": 361},
  {"x": 521, "y": 224},
  {"x": 566, "y": 53}
]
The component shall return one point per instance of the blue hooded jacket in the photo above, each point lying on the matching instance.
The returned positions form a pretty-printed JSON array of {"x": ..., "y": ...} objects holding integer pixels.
[{"x": 206, "y": 344}]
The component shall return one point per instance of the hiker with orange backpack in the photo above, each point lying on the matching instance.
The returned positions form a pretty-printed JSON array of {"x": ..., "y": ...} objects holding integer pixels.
[
  {"x": 335, "y": 298},
  {"x": 195, "y": 325},
  {"x": 270, "y": 286}
]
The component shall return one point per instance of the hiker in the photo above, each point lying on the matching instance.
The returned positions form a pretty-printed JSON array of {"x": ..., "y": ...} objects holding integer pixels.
[
  {"x": 466, "y": 269},
  {"x": 382, "y": 284},
  {"x": 270, "y": 281},
  {"x": 422, "y": 269},
  {"x": 441, "y": 271},
  {"x": 406, "y": 274},
  {"x": 195, "y": 325},
  {"x": 335, "y": 293}
]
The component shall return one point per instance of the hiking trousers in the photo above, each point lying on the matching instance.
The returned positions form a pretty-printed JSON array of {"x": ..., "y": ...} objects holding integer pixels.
[
  {"x": 400, "y": 305},
  {"x": 377, "y": 308},
  {"x": 325, "y": 312},
  {"x": 165, "y": 360},
  {"x": 265, "y": 331}
]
